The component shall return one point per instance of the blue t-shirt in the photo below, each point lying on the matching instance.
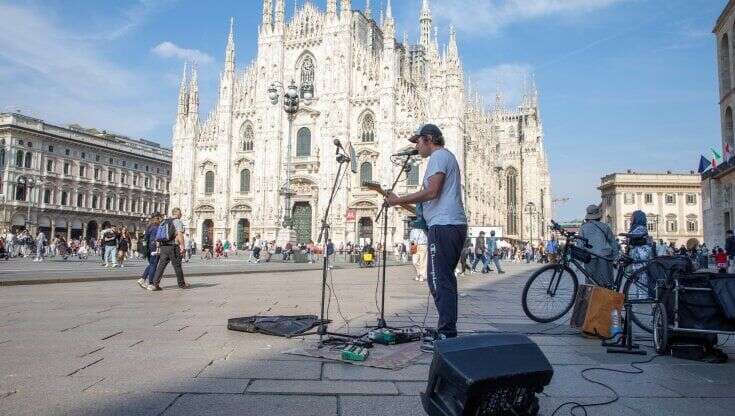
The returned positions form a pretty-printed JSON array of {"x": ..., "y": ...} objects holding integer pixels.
[{"x": 448, "y": 208}]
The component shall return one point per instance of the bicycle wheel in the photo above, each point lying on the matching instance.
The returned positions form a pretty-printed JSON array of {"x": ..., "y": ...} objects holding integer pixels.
[
  {"x": 638, "y": 290},
  {"x": 549, "y": 293}
]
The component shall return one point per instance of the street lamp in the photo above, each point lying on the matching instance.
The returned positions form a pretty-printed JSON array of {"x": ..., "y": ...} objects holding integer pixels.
[
  {"x": 28, "y": 184},
  {"x": 292, "y": 96},
  {"x": 531, "y": 209}
]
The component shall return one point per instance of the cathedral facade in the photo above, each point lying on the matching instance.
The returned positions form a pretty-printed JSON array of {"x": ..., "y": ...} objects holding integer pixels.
[{"x": 371, "y": 90}]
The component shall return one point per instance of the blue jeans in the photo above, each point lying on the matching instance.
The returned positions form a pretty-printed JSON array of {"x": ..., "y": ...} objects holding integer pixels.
[
  {"x": 111, "y": 255},
  {"x": 150, "y": 270},
  {"x": 445, "y": 247},
  {"x": 478, "y": 258}
]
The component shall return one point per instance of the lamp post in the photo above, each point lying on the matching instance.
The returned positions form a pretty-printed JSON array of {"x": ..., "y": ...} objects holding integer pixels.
[
  {"x": 531, "y": 209},
  {"x": 292, "y": 97},
  {"x": 28, "y": 183}
]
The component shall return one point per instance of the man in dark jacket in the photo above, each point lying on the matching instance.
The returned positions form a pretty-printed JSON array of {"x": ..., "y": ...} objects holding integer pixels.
[
  {"x": 150, "y": 251},
  {"x": 730, "y": 245}
]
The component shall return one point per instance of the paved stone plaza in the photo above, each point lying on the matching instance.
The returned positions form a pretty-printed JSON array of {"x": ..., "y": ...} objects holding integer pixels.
[{"x": 110, "y": 348}]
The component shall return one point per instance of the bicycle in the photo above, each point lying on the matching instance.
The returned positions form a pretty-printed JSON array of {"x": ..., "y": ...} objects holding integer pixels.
[{"x": 557, "y": 283}]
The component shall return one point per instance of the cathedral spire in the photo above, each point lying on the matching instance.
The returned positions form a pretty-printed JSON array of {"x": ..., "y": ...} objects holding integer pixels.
[
  {"x": 345, "y": 9},
  {"x": 368, "y": 10},
  {"x": 389, "y": 25},
  {"x": 425, "y": 21},
  {"x": 267, "y": 13},
  {"x": 332, "y": 8},
  {"x": 280, "y": 12},
  {"x": 388, "y": 11},
  {"x": 453, "y": 51},
  {"x": 230, "y": 49},
  {"x": 194, "y": 91},
  {"x": 183, "y": 94}
]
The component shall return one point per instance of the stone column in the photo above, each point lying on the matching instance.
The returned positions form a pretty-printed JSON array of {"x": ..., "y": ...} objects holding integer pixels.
[{"x": 84, "y": 230}]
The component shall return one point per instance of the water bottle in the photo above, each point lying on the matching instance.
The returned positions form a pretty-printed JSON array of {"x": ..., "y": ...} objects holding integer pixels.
[{"x": 615, "y": 328}]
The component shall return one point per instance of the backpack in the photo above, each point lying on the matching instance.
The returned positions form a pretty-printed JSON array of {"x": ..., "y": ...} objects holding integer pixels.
[{"x": 166, "y": 232}]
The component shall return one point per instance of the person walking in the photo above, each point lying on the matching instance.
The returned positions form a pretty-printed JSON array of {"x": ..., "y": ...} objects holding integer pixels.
[
  {"x": 171, "y": 249},
  {"x": 40, "y": 246},
  {"x": 420, "y": 241},
  {"x": 443, "y": 210},
  {"x": 150, "y": 253},
  {"x": 601, "y": 238},
  {"x": 492, "y": 251},
  {"x": 329, "y": 252},
  {"x": 123, "y": 245},
  {"x": 480, "y": 249},
  {"x": 109, "y": 243},
  {"x": 552, "y": 249}
]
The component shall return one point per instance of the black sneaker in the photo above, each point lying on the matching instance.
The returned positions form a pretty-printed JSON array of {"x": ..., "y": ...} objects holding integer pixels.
[{"x": 429, "y": 341}]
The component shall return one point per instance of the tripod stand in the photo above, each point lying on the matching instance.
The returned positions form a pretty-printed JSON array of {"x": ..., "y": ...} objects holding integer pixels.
[
  {"x": 324, "y": 234},
  {"x": 384, "y": 213}
]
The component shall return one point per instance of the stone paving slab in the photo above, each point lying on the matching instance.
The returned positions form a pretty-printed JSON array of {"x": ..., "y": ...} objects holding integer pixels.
[
  {"x": 322, "y": 387},
  {"x": 352, "y": 372},
  {"x": 385, "y": 406},
  {"x": 276, "y": 370},
  {"x": 255, "y": 405}
]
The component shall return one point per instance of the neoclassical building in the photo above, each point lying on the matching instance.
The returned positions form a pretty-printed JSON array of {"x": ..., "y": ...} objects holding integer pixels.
[
  {"x": 371, "y": 90},
  {"x": 82, "y": 178}
]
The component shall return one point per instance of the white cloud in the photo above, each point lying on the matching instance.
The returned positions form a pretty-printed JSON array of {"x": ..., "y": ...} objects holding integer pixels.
[
  {"x": 491, "y": 16},
  {"x": 509, "y": 78},
  {"x": 57, "y": 76},
  {"x": 170, "y": 50}
]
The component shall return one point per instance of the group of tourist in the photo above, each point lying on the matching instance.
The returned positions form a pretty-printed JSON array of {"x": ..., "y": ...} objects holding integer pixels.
[{"x": 163, "y": 243}]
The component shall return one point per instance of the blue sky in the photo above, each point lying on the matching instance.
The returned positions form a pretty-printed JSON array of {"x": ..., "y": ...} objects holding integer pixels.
[{"x": 625, "y": 84}]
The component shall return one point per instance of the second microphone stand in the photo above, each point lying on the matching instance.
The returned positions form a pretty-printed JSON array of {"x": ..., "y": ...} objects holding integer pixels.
[{"x": 405, "y": 167}]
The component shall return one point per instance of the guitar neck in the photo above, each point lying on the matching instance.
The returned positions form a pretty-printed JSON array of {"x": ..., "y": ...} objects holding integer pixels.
[{"x": 379, "y": 189}]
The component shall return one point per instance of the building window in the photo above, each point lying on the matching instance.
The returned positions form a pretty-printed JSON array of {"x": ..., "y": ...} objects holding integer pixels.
[
  {"x": 97, "y": 158},
  {"x": 412, "y": 177},
  {"x": 50, "y": 149},
  {"x": 303, "y": 142},
  {"x": 145, "y": 207},
  {"x": 670, "y": 199},
  {"x": 49, "y": 166},
  {"x": 67, "y": 152},
  {"x": 691, "y": 199},
  {"x": 125, "y": 163},
  {"x": 64, "y": 198},
  {"x": 366, "y": 172},
  {"x": 511, "y": 180},
  {"x": 123, "y": 178},
  {"x": 112, "y": 161},
  {"x": 136, "y": 166},
  {"x": 367, "y": 133},
  {"x": 2, "y": 154},
  {"x": 158, "y": 183},
  {"x": 244, "y": 181},
  {"x": 82, "y": 171},
  {"x": 692, "y": 225},
  {"x": 29, "y": 159},
  {"x": 629, "y": 198},
  {"x": 80, "y": 200},
  {"x": 121, "y": 205},
  {"x": 247, "y": 137},
  {"x": 208, "y": 183},
  {"x": 95, "y": 201},
  {"x": 135, "y": 180},
  {"x": 307, "y": 72},
  {"x": 66, "y": 168},
  {"x": 19, "y": 158},
  {"x": 20, "y": 192},
  {"x": 110, "y": 176},
  {"x": 147, "y": 182},
  {"x": 725, "y": 64},
  {"x": 133, "y": 206},
  {"x": 84, "y": 155},
  {"x": 651, "y": 226},
  {"x": 648, "y": 198},
  {"x": 671, "y": 225},
  {"x": 97, "y": 174},
  {"x": 108, "y": 203}
]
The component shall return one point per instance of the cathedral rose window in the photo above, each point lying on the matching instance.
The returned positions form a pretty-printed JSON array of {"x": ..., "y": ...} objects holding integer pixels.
[
  {"x": 247, "y": 137},
  {"x": 367, "y": 133}
]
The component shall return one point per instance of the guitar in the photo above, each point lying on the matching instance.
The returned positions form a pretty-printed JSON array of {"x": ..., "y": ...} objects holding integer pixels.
[{"x": 416, "y": 211}]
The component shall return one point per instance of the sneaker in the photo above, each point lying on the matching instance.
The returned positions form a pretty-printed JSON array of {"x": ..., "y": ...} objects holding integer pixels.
[
  {"x": 416, "y": 278},
  {"x": 141, "y": 283},
  {"x": 153, "y": 288},
  {"x": 501, "y": 272},
  {"x": 107, "y": 266},
  {"x": 185, "y": 286}
]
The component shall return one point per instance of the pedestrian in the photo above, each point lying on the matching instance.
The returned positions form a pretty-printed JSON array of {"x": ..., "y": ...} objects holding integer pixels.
[
  {"x": 443, "y": 210},
  {"x": 600, "y": 237},
  {"x": 170, "y": 238},
  {"x": 492, "y": 251},
  {"x": 721, "y": 260},
  {"x": 329, "y": 253},
  {"x": 40, "y": 243},
  {"x": 189, "y": 245},
  {"x": 109, "y": 244},
  {"x": 123, "y": 245},
  {"x": 150, "y": 253},
  {"x": 419, "y": 242},
  {"x": 10, "y": 243},
  {"x": 552, "y": 248},
  {"x": 479, "y": 251}
]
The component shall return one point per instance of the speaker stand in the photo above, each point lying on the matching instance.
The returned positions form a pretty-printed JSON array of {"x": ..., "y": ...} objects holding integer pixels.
[{"x": 625, "y": 344}]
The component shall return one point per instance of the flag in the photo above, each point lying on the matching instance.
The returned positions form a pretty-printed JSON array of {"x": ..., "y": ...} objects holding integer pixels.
[
  {"x": 714, "y": 152},
  {"x": 728, "y": 151},
  {"x": 703, "y": 164},
  {"x": 714, "y": 164}
]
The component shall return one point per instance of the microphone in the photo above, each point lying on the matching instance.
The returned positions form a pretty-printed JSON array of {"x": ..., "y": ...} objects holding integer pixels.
[
  {"x": 410, "y": 152},
  {"x": 338, "y": 144}
]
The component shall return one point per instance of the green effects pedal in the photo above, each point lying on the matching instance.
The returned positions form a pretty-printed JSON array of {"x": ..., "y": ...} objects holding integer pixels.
[
  {"x": 354, "y": 353},
  {"x": 383, "y": 336}
]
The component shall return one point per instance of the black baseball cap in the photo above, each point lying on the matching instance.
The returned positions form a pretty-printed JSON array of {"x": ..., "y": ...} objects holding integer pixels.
[{"x": 428, "y": 130}]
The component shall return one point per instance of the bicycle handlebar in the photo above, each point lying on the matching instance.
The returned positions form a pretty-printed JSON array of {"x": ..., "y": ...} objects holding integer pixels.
[{"x": 569, "y": 234}]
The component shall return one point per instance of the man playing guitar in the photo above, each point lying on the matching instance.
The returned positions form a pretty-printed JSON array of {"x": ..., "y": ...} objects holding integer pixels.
[{"x": 443, "y": 210}]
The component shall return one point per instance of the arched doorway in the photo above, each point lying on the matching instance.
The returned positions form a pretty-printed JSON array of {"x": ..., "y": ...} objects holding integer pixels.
[
  {"x": 76, "y": 229},
  {"x": 302, "y": 221},
  {"x": 365, "y": 229},
  {"x": 207, "y": 234},
  {"x": 243, "y": 232},
  {"x": 92, "y": 229}
]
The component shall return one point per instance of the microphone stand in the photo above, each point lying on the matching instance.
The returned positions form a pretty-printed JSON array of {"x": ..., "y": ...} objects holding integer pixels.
[
  {"x": 324, "y": 233},
  {"x": 384, "y": 213}
]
